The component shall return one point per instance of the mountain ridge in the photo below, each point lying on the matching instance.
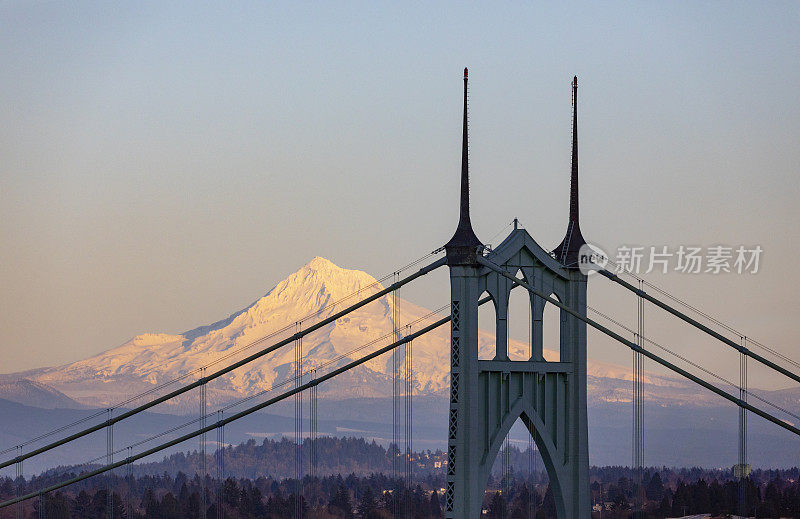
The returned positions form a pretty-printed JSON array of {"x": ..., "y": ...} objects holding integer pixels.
[{"x": 149, "y": 360}]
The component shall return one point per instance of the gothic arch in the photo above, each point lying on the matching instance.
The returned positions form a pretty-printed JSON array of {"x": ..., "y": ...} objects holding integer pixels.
[{"x": 548, "y": 450}]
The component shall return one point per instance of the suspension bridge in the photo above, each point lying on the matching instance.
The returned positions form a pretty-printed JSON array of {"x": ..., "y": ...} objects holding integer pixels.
[{"x": 487, "y": 396}]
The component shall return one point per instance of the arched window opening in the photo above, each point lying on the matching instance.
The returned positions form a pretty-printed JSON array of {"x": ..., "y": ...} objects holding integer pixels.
[
  {"x": 487, "y": 327},
  {"x": 520, "y": 338},
  {"x": 551, "y": 332}
]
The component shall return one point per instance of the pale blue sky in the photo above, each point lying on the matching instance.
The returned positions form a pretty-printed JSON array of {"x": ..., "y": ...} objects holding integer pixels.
[{"x": 165, "y": 165}]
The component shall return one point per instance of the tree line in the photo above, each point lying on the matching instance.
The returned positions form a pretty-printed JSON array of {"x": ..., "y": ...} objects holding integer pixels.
[
  {"x": 256, "y": 485},
  {"x": 377, "y": 496}
]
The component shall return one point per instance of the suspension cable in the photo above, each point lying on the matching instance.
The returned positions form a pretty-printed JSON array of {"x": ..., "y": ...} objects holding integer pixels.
[
  {"x": 707, "y": 316},
  {"x": 677, "y": 313},
  {"x": 695, "y": 365},
  {"x": 421, "y": 272},
  {"x": 218, "y": 360},
  {"x": 237, "y": 416},
  {"x": 647, "y": 353},
  {"x": 289, "y": 381}
]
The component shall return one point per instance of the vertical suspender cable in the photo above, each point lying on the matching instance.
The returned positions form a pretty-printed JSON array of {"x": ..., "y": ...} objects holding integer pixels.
[
  {"x": 741, "y": 472},
  {"x": 640, "y": 461},
  {"x": 109, "y": 460},
  {"x": 20, "y": 482},
  {"x": 641, "y": 403},
  {"x": 637, "y": 400},
  {"x": 313, "y": 432},
  {"x": 409, "y": 356},
  {"x": 504, "y": 474},
  {"x": 220, "y": 466},
  {"x": 42, "y": 505},
  {"x": 296, "y": 489},
  {"x": 300, "y": 426},
  {"x": 406, "y": 453},
  {"x": 310, "y": 441},
  {"x": 203, "y": 503},
  {"x": 638, "y": 438},
  {"x": 637, "y": 403},
  {"x": 129, "y": 474},
  {"x": 411, "y": 413},
  {"x": 634, "y": 414},
  {"x": 395, "y": 409},
  {"x": 298, "y": 423}
]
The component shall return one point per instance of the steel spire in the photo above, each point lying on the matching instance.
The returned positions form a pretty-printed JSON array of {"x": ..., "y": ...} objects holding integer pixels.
[
  {"x": 567, "y": 250},
  {"x": 464, "y": 245}
]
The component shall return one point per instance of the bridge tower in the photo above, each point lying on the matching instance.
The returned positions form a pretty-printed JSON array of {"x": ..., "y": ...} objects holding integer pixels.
[{"x": 488, "y": 396}]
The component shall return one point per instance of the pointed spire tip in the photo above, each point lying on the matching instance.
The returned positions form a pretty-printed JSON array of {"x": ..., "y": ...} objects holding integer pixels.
[
  {"x": 567, "y": 251},
  {"x": 463, "y": 246}
]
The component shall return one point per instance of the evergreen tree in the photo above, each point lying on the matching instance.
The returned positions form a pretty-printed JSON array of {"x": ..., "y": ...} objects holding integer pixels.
[
  {"x": 340, "y": 504},
  {"x": 150, "y": 504},
  {"x": 230, "y": 492},
  {"x": 497, "y": 507},
  {"x": 99, "y": 504},
  {"x": 434, "y": 506},
  {"x": 522, "y": 504},
  {"x": 82, "y": 505},
  {"x": 192, "y": 507},
  {"x": 169, "y": 507},
  {"x": 368, "y": 507},
  {"x": 663, "y": 508},
  {"x": 655, "y": 488},
  {"x": 548, "y": 508}
]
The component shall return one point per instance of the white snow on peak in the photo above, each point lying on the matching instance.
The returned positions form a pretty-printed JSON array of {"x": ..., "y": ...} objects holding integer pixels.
[{"x": 315, "y": 291}]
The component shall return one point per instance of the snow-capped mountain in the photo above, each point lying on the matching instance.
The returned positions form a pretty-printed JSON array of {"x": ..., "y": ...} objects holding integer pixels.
[
  {"x": 33, "y": 393},
  {"x": 686, "y": 425},
  {"x": 152, "y": 359}
]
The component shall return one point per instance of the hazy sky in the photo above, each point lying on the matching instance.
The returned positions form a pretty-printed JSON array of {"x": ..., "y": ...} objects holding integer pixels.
[{"x": 165, "y": 165}]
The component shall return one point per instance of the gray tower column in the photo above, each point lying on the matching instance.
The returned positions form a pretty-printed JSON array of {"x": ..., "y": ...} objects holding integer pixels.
[
  {"x": 575, "y": 350},
  {"x": 463, "y": 493}
]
